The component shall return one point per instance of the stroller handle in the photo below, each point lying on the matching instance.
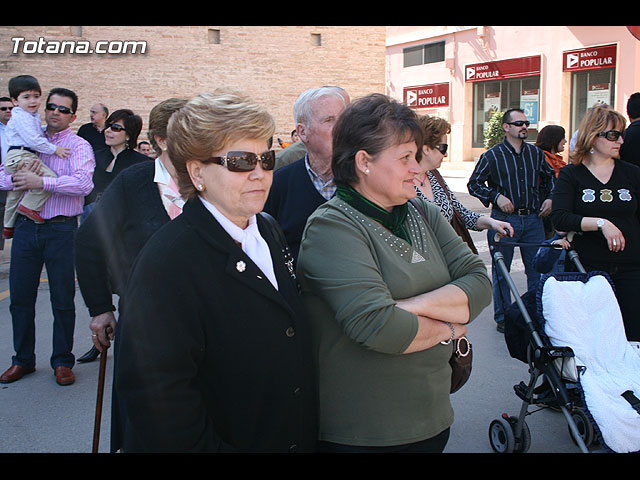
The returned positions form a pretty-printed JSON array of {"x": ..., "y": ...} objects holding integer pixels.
[{"x": 572, "y": 254}]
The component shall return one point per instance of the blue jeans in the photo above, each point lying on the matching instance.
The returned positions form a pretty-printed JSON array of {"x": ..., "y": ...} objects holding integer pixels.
[
  {"x": 527, "y": 229},
  {"x": 51, "y": 244}
]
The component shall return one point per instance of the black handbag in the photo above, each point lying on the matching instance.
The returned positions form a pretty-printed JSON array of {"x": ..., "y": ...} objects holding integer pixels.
[{"x": 460, "y": 362}]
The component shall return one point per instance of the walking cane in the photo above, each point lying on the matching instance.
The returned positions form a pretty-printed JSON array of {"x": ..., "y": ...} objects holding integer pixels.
[{"x": 96, "y": 426}]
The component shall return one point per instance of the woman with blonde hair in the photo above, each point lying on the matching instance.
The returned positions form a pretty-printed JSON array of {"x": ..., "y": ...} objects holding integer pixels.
[
  {"x": 597, "y": 195},
  {"x": 215, "y": 351}
]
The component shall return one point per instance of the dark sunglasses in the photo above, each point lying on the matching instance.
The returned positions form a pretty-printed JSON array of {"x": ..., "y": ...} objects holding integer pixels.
[
  {"x": 4, "y": 109},
  {"x": 245, "y": 161},
  {"x": 115, "y": 127},
  {"x": 611, "y": 135},
  {"x": 520, "y": 123},
  {"x": 62, "y": 109},
  {"x": 442, "y": 148}
]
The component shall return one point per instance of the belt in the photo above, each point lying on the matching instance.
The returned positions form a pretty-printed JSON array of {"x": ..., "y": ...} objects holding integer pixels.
[
  {"x": 523, "y": 211},
  {"x": 22, "y": 148},
  {"x": 56, "y": 219}
]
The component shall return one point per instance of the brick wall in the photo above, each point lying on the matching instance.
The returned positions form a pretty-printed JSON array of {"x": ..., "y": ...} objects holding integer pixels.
[{"x": 273, "y": 64}]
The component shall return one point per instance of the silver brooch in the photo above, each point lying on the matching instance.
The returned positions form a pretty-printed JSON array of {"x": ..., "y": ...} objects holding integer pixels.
[{"x": 241, "y": 266}]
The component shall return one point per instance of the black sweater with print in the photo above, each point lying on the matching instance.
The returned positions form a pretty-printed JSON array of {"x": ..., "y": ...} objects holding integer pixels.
[{"x": 578, "y": 193}]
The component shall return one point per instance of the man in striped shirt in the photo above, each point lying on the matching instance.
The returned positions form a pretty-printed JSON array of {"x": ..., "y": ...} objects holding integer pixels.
[
  {"x": 516, "y": 180},
  {"x": 50, "y": 244}
]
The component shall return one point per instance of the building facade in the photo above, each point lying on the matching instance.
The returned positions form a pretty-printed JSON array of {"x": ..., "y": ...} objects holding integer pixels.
[
  {"x": 137, "y": 67},
  {"x": 554, "y": 73}
]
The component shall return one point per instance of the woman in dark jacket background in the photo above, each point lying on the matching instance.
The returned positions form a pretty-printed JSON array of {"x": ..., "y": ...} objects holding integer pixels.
[{"x": 136, "y": 204}]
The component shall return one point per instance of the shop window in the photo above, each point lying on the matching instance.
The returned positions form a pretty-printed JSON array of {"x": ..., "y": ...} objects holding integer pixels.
[
  {"x": 501, "y": 95},
  {"x": 589, "y": 88}
]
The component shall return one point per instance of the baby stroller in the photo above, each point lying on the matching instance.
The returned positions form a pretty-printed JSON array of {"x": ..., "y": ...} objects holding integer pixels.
[{"x": 544, "y": 331}]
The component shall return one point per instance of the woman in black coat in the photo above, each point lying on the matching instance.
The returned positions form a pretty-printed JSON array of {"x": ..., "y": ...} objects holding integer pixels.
[
  {"x": 136, "y": 204},
  {"x": 214, "y": 350}
]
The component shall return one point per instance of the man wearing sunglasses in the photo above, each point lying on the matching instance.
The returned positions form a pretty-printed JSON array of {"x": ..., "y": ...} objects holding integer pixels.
[
  {"x": 517, "y": 181},
  {"x": 50, "y": 243},
  {"x": 6, "y": 105},
  {"x": 300, "y": 187}
]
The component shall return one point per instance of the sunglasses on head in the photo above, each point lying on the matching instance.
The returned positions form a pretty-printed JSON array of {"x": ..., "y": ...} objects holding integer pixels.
[
  {"x": 611, "y": 135},
  {"x": 61, "y": 108},
  {"x": 246, "y": 161},
  {"x": 115, "y": 127},
  {"x": 442, "y": 148},
  {"x": 520, "y": 123}
]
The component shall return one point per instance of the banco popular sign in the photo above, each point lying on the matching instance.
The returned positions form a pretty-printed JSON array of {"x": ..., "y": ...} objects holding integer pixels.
[
  {"x": 589, "y": 58},
  {"x": 501, "y": 69},
  {"x": 427, "y": 96}
]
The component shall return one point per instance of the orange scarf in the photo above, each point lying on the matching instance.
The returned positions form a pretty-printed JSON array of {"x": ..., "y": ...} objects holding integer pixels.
[{"x": 555, "y": 160}]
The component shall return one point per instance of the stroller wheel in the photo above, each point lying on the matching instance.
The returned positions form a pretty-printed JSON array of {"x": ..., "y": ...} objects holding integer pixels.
[
  {"x": 501, "y": 436},
  {"x": 584, "y": 426}
]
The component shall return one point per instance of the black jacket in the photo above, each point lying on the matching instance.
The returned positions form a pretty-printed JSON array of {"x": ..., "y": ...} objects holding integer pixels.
[
  {"x": 630, "y": 148},
  {"x": 102, "y": 178},
  {"x": 211, "y": 356},
  {"x": 110, "y": 238}
]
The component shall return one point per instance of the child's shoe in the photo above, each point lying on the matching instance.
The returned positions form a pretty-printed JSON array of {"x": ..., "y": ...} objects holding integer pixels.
[
  {"x": 7, "y": 233},
  {"x": 32, "y": 214}
]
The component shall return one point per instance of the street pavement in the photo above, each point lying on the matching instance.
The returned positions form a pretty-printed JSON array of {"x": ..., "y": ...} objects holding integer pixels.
[{"x": 39, "y": 416}]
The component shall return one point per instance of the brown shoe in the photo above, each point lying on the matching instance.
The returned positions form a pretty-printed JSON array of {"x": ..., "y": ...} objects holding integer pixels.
[
  {"x": 64, "y": 375},
  {"x": 16, "y": 372}
]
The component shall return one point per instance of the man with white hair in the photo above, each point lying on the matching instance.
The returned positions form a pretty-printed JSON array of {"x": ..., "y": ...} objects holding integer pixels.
[{"x": 300, "y": 187}]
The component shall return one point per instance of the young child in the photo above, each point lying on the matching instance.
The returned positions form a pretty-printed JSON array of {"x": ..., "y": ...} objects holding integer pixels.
[
  {"x": 25, "y": 139},
  {"x": 549, "y": 259}
]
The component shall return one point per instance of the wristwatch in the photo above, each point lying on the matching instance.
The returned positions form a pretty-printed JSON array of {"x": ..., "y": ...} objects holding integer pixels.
[{"x": 600, "y": 224}]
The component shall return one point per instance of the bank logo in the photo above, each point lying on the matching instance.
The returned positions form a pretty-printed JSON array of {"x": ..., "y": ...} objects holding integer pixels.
[
  {"x": 572, "y": 60},
  {"x": 471, "y": 72},
  {"x": 412, "y": 97}
]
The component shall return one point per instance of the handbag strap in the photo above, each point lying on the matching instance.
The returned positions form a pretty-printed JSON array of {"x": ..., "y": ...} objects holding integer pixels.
[{"x": 443, "y": 184}]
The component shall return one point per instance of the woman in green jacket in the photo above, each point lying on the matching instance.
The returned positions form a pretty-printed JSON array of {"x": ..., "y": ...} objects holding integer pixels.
[{"x": 387, "y": 289}]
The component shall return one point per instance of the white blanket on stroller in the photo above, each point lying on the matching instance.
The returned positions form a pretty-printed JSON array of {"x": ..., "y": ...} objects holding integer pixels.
[{"x": 587, "y": 318}]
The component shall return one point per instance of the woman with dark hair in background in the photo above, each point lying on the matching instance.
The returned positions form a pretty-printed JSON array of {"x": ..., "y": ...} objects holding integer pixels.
[
  {"x": 121, "y": 132},
  {"x": 551, "y": 140}
]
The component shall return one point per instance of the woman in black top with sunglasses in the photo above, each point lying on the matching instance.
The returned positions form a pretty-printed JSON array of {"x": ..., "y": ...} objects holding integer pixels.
[
  {"x": 121, "y": 132},
  {"x": 215, "y": 351},
  {"x": 596, "y": 195}
]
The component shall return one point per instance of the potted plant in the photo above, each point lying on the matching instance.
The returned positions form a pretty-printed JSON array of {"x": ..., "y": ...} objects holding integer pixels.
[{"x": 494, "y": 133}]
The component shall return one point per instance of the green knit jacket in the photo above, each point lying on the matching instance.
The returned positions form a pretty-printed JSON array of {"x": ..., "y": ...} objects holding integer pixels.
[{"x": 351, "y": 270}]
